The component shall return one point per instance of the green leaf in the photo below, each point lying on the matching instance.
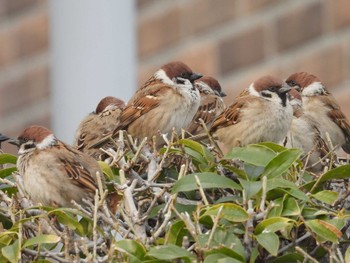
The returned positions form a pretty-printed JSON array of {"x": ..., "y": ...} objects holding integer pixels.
[
  {"x": 208, "y": 180},
  {"x": 279, "y": 183},
  {"x": 340, "y": 172},
  {"x": 277, "y": 208},
  {"x": 347, "y": 254},
  {"x": 326, "y": 196},
  {"x": 132, "y": 248},
  {"x": 196, "y": 156},
  {"x": 7, "y": 171},
  {"x": 106, "y": 169},
  {"x": 220, "y": 258},
  {"x": 226, "y": 237},
  {"x": 169, "y": 252},
  {"x": 176, "y": 233},
  {"x": 291, "y": 207},
  {"x": 230, "y": 212},
  {"x": 324, "y": 230},
  {"x": 42, "y": 239},
  {"x": 7, "y": 158},
  {"x": 281, "y": 163},
  {"x": 254, "y": 255},
  {"x": 269, "y": 241},
  {"x": 208, "y": 156},
  {"x": 273, "y": 146},
  {"x": 273, "y": 224},
  {"x": 256, "y": 154},
  {"x": 68, "y": 220},
  {"x": 11, "y": 252},
  {"x": 250, "y": 188},
  {"x": 228, "y": 253}
]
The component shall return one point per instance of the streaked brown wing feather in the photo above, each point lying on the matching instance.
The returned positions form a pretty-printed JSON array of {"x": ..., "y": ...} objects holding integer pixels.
[
  {"x": 77, "y": 169},
  {"x": 337, "y": 115},
  {"x": 143, "y": 101},
  {"x": 230, "y": 115}
]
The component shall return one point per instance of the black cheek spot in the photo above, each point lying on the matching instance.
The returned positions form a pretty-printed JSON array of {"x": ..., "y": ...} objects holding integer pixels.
[
  {"x": 266, "y": 94},
  {"x": 180, "y": 81}
]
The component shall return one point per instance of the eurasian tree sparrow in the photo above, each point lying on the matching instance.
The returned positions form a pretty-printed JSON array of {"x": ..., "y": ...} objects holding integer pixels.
[
  {"x": 264, "y": 114},
  {"x": 54, "y": 173},
  {"x": 320, "y": 106},
  {"x": 303, "y": 134},
  {"x": 211, "y": 104},
  {"x": 97, "y": 125},
  {"x": 167, "y": 100}
]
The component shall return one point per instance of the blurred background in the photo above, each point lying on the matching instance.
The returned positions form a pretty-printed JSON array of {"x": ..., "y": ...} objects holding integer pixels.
[{"x": 59, "y": 58}]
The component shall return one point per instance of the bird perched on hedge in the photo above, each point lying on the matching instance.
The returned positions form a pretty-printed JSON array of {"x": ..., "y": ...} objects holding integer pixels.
[
  {"x": 304, "y": 134},
  {"x": 97, "y": 125},
  {"x": 167, "y": 100},
  {"x": 211, "y": 104},
  {"x": 55, "y": 173},
  {"x": 320, "y": 106},
  {"x": 261, "y": 113}
]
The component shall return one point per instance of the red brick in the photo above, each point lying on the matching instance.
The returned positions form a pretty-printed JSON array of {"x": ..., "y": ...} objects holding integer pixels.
[
  {"x": 145, "y": 73},
  {"x": 17, "y": 7},
  {"x": 25, "y": 38},
  {"x": 3, "y": 9},
  {"x": 256, "y": 5},
  {"x": 7, "y": 48},
  {"x": 241, "y": 50},
  {"x": 144, "y": 3},
  {"x": 201, "y": 57},
  {"x": 158, "y": 32},
  {"x": 203, "y": 15},
  {"x": 299, "y": 25},
  {"x": 339, "y": 13},
  {"x": 325, "y": 63},
  {"x": 32, "y": 35},
  {"x": 25, "y": 90}
]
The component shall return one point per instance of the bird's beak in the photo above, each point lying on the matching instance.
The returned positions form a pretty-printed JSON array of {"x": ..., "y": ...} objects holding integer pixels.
[
  {"x": 14, "y": 141},
  {"x": 222, "y": 94},
  {"x": 284, "y": 89},
  {"x": 3, "y": 138},
  {"x": 195, "y": 76}
]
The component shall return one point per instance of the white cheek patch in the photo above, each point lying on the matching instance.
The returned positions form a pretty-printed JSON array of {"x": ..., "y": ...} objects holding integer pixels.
[
  {"x": 252, "y": 90},
  {"x": 160, "y": 74},
  {"x": 313, "y": 89},
  {"x": 48, "y": 141}
]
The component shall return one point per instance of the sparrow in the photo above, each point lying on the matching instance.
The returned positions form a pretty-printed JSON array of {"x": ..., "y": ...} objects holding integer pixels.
[
  {"x": 97, "y": 125},
  {"x": 304, "y": 134},
  {"x": 167, "y": 101},
  {"x": 320, "y": 106},
  {"x": 262, "y": 114},
  {"x": 211, "y": 104},
  {"x": 55, "y": 173}
]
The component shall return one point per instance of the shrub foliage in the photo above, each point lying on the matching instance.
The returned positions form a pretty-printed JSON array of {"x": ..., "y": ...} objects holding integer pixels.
[{"x": 187, "y": 202}]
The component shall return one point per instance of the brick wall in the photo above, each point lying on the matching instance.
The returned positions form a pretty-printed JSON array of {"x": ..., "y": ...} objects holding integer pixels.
[
  {"x": 24, "y": 64},
  {"x": 238, "y": 41},
  {"x": 235, "y": 41}
]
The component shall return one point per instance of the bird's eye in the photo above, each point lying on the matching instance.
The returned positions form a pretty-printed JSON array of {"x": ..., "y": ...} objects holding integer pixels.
[
  {"x": 273, "y": 89},
  {"x": 184, "y": 75},
  {"x": 291, "y": 83}
]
